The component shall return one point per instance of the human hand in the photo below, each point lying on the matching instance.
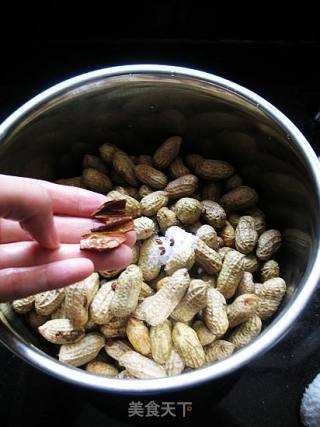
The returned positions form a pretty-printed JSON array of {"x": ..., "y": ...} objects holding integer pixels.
[{"x": 40, "y": 228}]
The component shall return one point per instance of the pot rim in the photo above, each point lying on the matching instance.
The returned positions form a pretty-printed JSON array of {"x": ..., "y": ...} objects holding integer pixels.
[{"x": 263, "y": 342}]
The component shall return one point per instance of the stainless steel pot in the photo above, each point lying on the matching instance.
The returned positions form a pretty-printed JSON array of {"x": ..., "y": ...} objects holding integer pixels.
[{"x": 136, "y": 107}]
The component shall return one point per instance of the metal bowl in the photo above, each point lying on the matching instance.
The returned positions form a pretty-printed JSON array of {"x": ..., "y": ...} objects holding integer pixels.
[{"x": 137, "y": 107}]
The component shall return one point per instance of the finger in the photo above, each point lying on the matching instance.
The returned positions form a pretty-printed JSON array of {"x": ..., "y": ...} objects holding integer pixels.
[
  {"x": 21, "y": 282},
  {"x": 30, "y": 204},
  {"x": 69, "y": 229},
  {"x": 27, "y": 254},
  {"x": 67, "y": 200},
  {"x": 131, "y": 238}
]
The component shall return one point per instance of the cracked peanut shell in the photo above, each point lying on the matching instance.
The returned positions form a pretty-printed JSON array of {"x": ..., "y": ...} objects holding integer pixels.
[
  {"x": 166, "y": 218},
  {"x": 242, "y": 308},
  {"x": 23, "y": 305},
  {"x": 138, "y": 336},
  {"x": 98, "y": 367},
  {"x": 60, "y": 331},
  {"x": 78, "y": 298},
  {"x": 161, "y": 342},
  {"x": 151, "y": 203},
  {"x": 126, "y": 294},
  {"x": 208, "y": 235},
  {"x": 188, "y": 210},
  {"x": 47, "y": 302},
  {"x": 209, "y": 259},
  {"x": 157, "y": 308},
  {"x": 213, "y": 169},
  {"x": 218, "y": 350},
  {"x": 167, "y": 152},
  {"x": 115, "y": 328},
  {"x": 182, "y": 187},
  {"x": 144, "y": 227},
  {"x": 233, "y": 182},
  {"x": 106, "y": 152},
  {"x": 100, "y": 311},
  {"x": 246, "y": 332},
  {"x": 140, "y": 366},
  {"x": 270, "y": 295},
  {"x": 269, "y": 243},
  {"x": 94, "y": 162},
  {"x": 246, "y": 236},
  {"x": 228, "y": 234},
  {"x": 124, "y": 166},
  {"x": 187, "y": 344},
  {"x": 149, "y": 259},
  {"x": 177, "y": 168},
  {"x": 83, "y": 351},
  {"x": 151, "y": 176},
  {"x": 246, "y": 285},
  {"x": 204, "y": 334},
  {"x": 250, "y": 263},
  {"x": 194, "y": 300},
  {"x": 214, "y": 214},
  {"x": 211, "y": 191},
  {"x": 215, "y": 313},
  {"x": 96, "y": 181},
  {"x": 269, "y": 270},
  {"x": 115, "y": 348},
  {"x": 174, "y": 364},
  {"x": 183, "y": 257},
  {"x": 239, "y": 198},
  {"x": 230, "y": 274}
]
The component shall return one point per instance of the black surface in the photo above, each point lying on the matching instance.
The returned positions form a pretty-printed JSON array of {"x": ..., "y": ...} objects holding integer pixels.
[{"x": 268, "y": 391}]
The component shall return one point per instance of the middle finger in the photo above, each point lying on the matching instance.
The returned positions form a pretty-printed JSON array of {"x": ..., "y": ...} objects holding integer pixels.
[
  {"x": 27, "y": 254},
  {"x": 69, "y": 229}
]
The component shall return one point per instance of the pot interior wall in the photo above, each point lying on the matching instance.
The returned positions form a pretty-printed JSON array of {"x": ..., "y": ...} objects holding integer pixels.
[{"x": 137, "y": 112}]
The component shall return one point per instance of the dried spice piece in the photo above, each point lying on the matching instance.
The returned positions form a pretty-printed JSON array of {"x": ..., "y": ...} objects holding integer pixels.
[
  {"x": 101, "y": 241},
  {"x": 120, "y": 228},
  {"x": 113, "y": 221},
  {"x": 111, "y": 234},
  {"x": 112, "y": 207}
]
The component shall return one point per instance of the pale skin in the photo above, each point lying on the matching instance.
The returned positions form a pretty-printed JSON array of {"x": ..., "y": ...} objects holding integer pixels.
[{"x": 40, "y": 228}]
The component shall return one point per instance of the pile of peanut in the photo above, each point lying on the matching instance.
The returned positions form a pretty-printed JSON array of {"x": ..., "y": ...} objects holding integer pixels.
[{"x": 202, "y": 280}]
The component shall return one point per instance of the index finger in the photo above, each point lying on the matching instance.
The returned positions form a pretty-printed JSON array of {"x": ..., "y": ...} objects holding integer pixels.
[{"x": 67, "y": 200}]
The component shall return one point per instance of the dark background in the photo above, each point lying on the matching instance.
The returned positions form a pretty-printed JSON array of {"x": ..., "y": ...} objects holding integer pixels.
[{"x": 269, "y": 58}]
